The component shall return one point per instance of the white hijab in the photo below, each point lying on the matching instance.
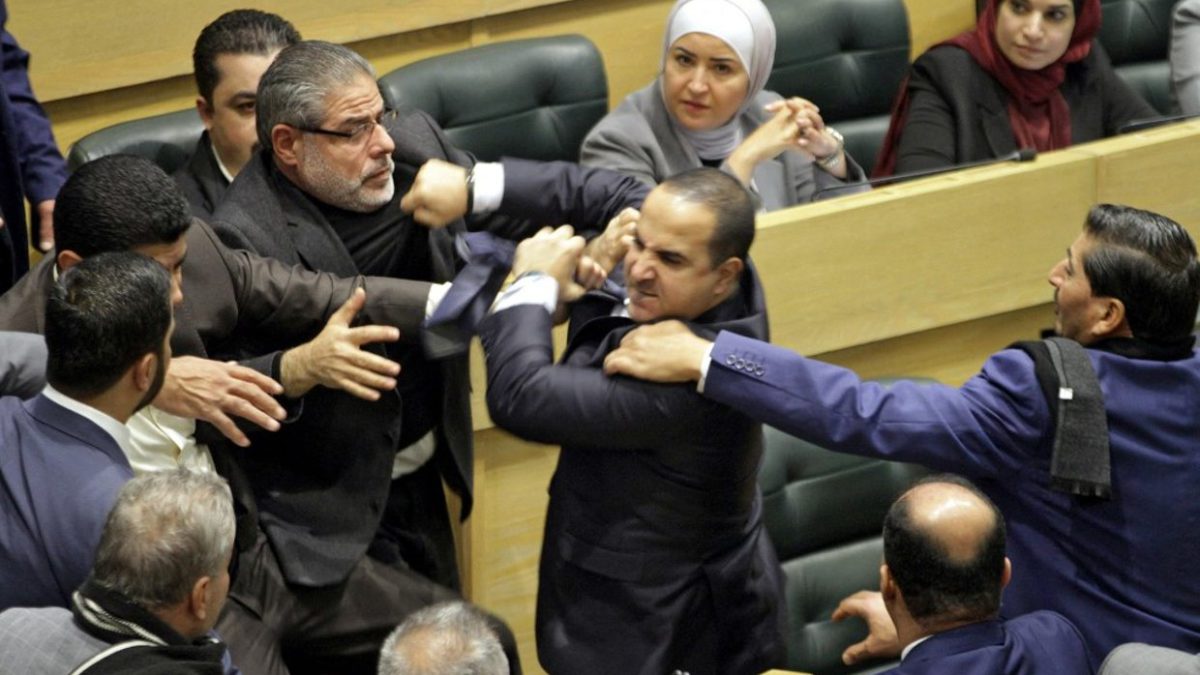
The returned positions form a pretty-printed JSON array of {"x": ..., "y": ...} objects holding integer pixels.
[{"x": 744, "y": 25}]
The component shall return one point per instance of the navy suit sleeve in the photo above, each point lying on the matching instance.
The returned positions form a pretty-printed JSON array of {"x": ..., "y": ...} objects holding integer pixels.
[
  {"x": 985, "y": 429},
  {"x": 532, "y": 397},
  {"x": 42, "y": 167},
  {"x": 553, "y": 193}
]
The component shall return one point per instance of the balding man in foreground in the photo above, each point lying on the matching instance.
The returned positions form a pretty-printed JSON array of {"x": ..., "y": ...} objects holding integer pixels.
[{"x": 943, "y": 571}]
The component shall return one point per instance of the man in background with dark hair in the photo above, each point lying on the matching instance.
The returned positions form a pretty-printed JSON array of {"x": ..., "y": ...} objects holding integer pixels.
[
  {"x": 230, "y": 56},
  {"x": 1104, "y": 524},
  {"x": 654, "y": 558},
  {"x": 62, "y": 458},
  {"x": 943, "y": 571}
]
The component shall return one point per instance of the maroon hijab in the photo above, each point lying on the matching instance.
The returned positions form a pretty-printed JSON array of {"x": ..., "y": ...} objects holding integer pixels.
[{"x": 1037, "y": 111}]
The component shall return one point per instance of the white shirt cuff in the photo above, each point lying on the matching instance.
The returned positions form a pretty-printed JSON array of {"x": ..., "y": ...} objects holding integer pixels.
[
  {"x": 436, "y": 293},
  {"x": 530, "y": 289},
  {"x": 704, "y": 364},
  {"x": 489, "y": 186}
]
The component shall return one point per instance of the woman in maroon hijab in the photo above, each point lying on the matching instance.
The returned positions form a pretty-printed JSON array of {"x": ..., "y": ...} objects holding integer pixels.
[{"x": 1027, "y": 76}]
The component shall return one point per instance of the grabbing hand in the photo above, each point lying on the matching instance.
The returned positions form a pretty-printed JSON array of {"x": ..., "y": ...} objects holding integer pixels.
[
  {"x": 662, "y": 352},
  {"x": 557, "y": 252},
  {"x": 438, "y": 195},
  {"x": 335, "y": 358},
  {"x": 213, "y": 391},
  {"x": 609, "y": 248},
  {"x": 881, "y": 641}
]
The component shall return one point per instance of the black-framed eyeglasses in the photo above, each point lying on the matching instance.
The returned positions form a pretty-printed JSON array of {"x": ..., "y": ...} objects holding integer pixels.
[{"x": 360, "y": 132}]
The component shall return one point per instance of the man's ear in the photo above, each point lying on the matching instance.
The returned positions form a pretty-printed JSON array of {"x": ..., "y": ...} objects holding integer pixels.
[
  {"x": 198, "y": 599},
  {"x": 144, "y": 371},
  {"x": 284, "y": 140},
  {"x": 1006, "y": 576},
  {"x": 1112, "y": 321},
  {"x": 887, "y": 583},
  {"x": 206, "y": 112},
  {"x": 67, "y": 259},
  {"x": 728, "y": 273}
]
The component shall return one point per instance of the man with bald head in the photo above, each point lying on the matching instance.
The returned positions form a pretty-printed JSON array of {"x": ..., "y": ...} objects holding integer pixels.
[{"x": 944, "y": 568}]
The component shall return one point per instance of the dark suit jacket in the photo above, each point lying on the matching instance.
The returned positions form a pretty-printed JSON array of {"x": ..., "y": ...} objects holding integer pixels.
[
  {"x": 654, "y": 557},
  {"x": 958, "y": 113},
  {"x": 59, "y": 476},
  {"x": 1041, "y": 642},
  {"x": 201, "y": 180},
  {"x": 322, "y": 508},
  {"x": 238, "y": 304},
  {"x": 22, "y": 364}
]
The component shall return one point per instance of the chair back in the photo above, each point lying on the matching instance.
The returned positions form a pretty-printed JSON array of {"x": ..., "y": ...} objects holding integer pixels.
[
  {"x": 848, "y": 57},
  {"x": 534, "y": 98},
  {"x": 168, "y": 140}
]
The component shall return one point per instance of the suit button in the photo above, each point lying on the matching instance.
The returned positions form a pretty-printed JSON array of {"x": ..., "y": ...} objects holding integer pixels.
[
  {"x": 759, "y": 371},
  {"x": 729, "y": 360}
]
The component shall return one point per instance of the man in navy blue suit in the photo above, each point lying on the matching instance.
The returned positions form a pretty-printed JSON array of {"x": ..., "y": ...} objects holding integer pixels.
[
  {"x": 944, "y": 568},
  {"x": 31, "y": 167},
  {"x": 108, "y": 326},
  {"x": 1122, "y": 567}
]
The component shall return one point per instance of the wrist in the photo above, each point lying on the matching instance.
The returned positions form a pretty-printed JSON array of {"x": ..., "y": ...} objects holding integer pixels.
[
  {"x": 293, "y": 373},
  {"x": 470, "y": 191},
  {"x": 834, "y": 160}
]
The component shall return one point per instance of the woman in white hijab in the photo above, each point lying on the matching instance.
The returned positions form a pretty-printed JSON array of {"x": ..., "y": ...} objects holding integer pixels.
[{"x": 708, "y": 108}]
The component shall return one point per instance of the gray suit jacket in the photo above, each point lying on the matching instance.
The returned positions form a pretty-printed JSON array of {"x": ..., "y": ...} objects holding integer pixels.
[
  {"x": 1135, "y": 658},
  {"x": 22, "y": 364},
  {"x": 1185, "y": 56},
  {"x": 43, "y": 641},
  {"x": 639, "y": 140}
]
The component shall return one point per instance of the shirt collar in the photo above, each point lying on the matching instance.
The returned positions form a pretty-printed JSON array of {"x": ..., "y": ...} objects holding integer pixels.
[
  {"x": 110, "y": 425},
  {"x": 220, "y": 164},
  {"x": 912, "y": 644}
]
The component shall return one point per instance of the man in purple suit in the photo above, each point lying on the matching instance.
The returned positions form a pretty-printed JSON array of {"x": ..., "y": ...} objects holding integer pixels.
[
  {"x": 943, "y": 571},
  {"x": 1120, "y": 566}
]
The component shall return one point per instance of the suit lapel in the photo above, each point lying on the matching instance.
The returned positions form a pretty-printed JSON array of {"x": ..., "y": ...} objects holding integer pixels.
[
  {"x": 993, "y": 115},
  {"x": 76, "y": 426}
]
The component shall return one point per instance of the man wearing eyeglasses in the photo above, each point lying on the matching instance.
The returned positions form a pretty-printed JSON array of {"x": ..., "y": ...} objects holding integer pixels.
[{"x": 357, "y": 480}]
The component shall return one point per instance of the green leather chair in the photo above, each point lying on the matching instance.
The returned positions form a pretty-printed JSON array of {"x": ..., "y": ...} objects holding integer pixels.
[
  {"x": 167, "y": 140},
  {"x": 848, "y": 57},
  {"x": 535, "y": 98},
  {"x": 1137, "y": 36},
  {"x": 824, "y": 512}
]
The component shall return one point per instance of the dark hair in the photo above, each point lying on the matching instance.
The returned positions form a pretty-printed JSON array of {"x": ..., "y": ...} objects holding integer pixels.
[
  {"x": 934, "y": 585},
  {"x": 241, "y": 31},
  {"x": 101, "y": 317},
  {"x": 117, "y": 202},
  {"x": 729, "y": 202},
  {"x": 1148, "y": 262}
]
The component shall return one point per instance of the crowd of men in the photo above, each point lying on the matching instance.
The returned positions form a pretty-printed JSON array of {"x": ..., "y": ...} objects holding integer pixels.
[{"x": 262, "y": 340}]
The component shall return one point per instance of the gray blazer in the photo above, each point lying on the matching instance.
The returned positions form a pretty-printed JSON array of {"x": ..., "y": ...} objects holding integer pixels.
[
  {"x": 43, "y": 641},
  {"x": 22, "y": 364},
  {"x": 1185, "y": 56},
  {"x": 1136, "y": 657},
  {"x": 639, "y": 139}
]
